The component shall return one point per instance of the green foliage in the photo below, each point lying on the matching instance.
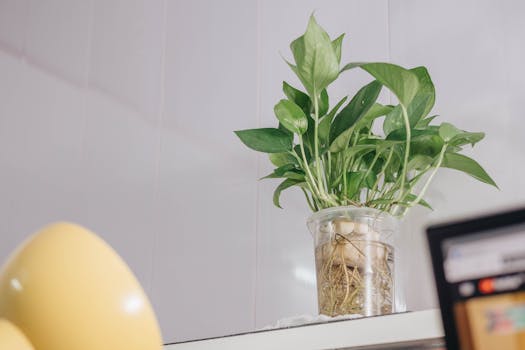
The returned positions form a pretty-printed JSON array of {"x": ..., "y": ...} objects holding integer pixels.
[
  {"x": 334, "y": 154},
  {"x": 266, "y": 140},
  {"x": 316, "y": 60},
  {"x": 355, "y": 110},
  {"x": 291, "y": 116}
]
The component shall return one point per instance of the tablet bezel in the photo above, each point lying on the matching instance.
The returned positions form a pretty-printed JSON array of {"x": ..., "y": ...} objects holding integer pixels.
[{"x": 436, "y": 234}]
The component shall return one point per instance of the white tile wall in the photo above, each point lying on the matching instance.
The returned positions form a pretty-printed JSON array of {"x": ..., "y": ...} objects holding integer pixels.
[
  {"x": 58, "y": 36},
  {"x": 40, "y": 142},
  {"x": 144, "y": 153},
  {"x": 116, "y": 177},
  {"x": 126, "y": 52},
  {"x": 204, "y": 264},
  {"x": 13, "y": 14}
]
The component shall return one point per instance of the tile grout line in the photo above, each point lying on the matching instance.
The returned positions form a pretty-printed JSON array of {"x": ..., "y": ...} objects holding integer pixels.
[
  {"x": 86, "y": 81},
  {"x": 388, "y": 29},
  {"x": 389, "y": 48},
  {"x": 162, "y": 93},
  {"x": 26, "y": 34},
  {"x": 257, "y": 159}
]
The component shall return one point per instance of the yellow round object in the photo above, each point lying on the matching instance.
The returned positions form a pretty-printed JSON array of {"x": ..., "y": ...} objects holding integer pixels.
[
  {"x": 65, "y": 288},
  {"x": 12, "y": 338}
]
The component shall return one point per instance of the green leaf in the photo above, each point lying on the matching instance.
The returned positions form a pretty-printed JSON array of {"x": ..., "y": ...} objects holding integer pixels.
[
  {"x": 326, "y": 121},
  {"x": 352, "y": 151},
  {"x": 336, "y": 44},
  {"x": 291, "y": 116},
  {"x": 309, "y": 137},
  {"x": 307, "y": 85},
  {"x": 429, "y": 145},
  {"x": 418, "y": 108},
  {"x": 355, "y": 181},
  {"x": 453, "y": 149},
  {"x": 391, "y": 172},
  {"x": 363, "y": 100},
  {"x": 341, "y": 142},
  {"x": 351, "y": 65},
  {"x": 377, "y": 110},
  {"x": 468, "y": 166},
  {"x": 286, "y": 171},
  {"x": 402, "y": 82},
  {"x": 419, "y": 162},
  {"x": 307, "y": 153},
  {"x": 316, "y": 59},
  {"x": 323, "y": 103},
  {"x": 394, "y": 120},
  {"x": 298, "y": 97},
  {"x": 279, "y": 172},
  {"x": 423, "y": 141},
  {"x": 448, "y": 131},
  {"x": 426, "y": 90},
  {"x": 456, "y": 137},
  {"x": 280, "y": 159},
  {"x": 415, "y": 110},
  {"x": 412, "y": 197},
  {"x": 465, "y": 138},
  {"x": 286, "y": 131},
  {"x": 416, "y": 134},
  {"x": 283, "y": 186},
  {"x": 423, "y": 123},
  {"x": 266, "y": 140},
  {"x": 295, "y": 175}
]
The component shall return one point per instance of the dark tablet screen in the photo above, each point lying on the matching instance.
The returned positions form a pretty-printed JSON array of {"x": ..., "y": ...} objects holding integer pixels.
[{"x": 479, "y": 266}]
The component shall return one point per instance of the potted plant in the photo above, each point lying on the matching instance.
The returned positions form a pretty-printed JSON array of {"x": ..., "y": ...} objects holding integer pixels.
[{"x": 358, "y": 182}]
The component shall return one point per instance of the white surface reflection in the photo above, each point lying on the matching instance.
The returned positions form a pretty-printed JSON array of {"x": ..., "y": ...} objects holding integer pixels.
[
  {"x": 304, "y": 275},
  {"x": 133, "y": 304},
  {"x": 15, "y": 283}
]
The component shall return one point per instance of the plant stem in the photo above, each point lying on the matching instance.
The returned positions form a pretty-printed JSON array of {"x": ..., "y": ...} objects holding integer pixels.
[
  {"x": 345, "y": 187},
  {"x": 310, "y": 204},
  {"x": 308, "y": 183},
  {"x": 373, "y": 191},
  {"x": 432, "y": 174},
  {"x": 407, "y": 151},
  {"x": 307, "y": 167},
  {"x": 316, "y": 141},
  {"x": 329, "y": 164},
  {"x": 376, "y": 157},
  {"x": 354, "y": 142}
]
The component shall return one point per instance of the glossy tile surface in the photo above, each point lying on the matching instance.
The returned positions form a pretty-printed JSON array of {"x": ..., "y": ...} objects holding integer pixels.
[
  {"x": 126, "y": 52},
  {"x": 204, "y": 268},
  {"x": 13, "y": 20},
  {"x": 117, "y": 173},
  {"x": 39, "y": 145},
  {"x": 58, "y": 37}
]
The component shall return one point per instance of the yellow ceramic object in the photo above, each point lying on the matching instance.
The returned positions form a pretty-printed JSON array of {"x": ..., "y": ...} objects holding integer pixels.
[
  {"x": 11, "y": 338},
  {"x": 66, "y": 289}
]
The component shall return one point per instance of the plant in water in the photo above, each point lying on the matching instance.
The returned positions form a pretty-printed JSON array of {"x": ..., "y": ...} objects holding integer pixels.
[{"x": 336, "y": 157}]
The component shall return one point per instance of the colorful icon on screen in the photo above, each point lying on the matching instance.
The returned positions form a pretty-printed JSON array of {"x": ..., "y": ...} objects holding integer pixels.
[{"x": 486, "y": 286}]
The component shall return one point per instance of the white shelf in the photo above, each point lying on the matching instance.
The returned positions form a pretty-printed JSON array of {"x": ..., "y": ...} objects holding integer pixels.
[{"x": 414, "y": 328}]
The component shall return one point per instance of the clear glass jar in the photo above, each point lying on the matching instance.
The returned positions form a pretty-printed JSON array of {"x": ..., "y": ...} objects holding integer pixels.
[{"x": 354, "y": 258}]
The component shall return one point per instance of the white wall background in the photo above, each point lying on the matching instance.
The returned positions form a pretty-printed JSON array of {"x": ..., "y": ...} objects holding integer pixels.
[{"x": 119, "y": 115}]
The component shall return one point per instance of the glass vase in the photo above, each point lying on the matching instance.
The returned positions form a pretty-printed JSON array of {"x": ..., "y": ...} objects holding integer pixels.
[{"x": 354, "y": 257}]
